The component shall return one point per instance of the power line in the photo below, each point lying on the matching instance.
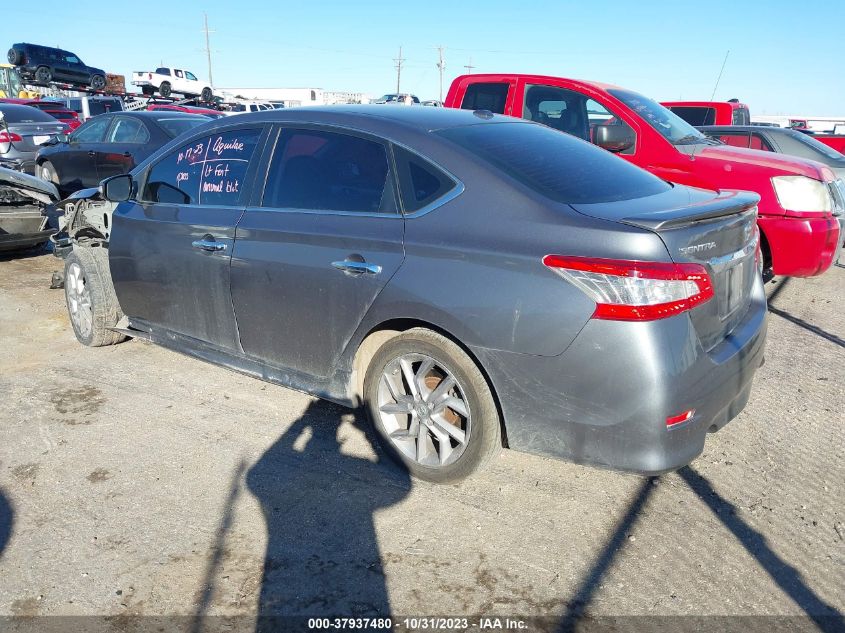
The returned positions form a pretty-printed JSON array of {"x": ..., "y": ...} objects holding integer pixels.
[
  {"x": 469, "y": 66},
  {"x": 441, "y": 66},
  {"x": 398, "y": 61}
]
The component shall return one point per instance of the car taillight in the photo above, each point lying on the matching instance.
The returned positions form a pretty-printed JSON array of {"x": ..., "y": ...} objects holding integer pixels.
[
  {"x": 635, "y": 291},
  {"x": 9, "y": 137}
]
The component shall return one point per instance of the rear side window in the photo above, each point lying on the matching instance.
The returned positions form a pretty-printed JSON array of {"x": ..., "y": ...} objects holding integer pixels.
[
  {"x": 210, "y": 171},
  {"x": 126, "y": 130},
  {"x": 557, "y": 166},
  {"x": 420, "y": 182},
  {"x": 740, "y": 139},
  {"x": 486, "y": 96},
  {"x": 318, "y": 170},
  {"x": 758, "y": 142}
]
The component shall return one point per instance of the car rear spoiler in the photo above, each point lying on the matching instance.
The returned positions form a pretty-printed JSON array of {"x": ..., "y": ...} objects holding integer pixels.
[{"x": 727, "y": 203}]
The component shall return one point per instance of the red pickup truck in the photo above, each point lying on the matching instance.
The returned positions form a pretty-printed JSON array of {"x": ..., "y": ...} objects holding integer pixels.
[{"x": 800, "y": 200}]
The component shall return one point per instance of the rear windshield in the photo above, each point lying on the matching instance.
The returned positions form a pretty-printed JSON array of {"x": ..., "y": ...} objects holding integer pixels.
[
  {"x": 556, "y": 165},
  {"x": 817, "y": 146},
  {"x": 25, "y": 114},
  {"x": 175, "y": 126},
  {"x": 101, "y": 106},
  {"x": 696, "y": 115}
]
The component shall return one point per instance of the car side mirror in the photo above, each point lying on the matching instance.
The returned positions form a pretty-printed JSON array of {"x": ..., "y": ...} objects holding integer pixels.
[
  {"x": 614, "y": 138},
  {"x": 117, "y": 188},
  {"x": 62, "y": 138}
]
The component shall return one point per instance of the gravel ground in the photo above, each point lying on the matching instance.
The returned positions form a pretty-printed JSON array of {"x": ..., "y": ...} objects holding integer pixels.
[{"x": 136, "y": 481}]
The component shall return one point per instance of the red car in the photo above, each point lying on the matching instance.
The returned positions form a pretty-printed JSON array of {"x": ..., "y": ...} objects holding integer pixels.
[
  {"x": 800, "y": 199},
  {"x": 214, "y": 114}
]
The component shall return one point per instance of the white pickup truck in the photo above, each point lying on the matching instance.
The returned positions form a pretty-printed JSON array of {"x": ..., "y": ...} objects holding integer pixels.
[{"x": 169, "y": 80}]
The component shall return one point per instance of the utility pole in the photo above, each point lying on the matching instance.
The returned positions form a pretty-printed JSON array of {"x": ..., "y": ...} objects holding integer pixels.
[
  {"x": 469, "y": 66},
  {"x": 399, "y": 61},
  {"x": 208, "y": 49},
  {"x": 441, "y": 66}
]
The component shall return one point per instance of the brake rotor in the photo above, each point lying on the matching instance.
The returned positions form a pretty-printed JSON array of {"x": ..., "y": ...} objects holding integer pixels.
[{"x": 431, "y": 382}]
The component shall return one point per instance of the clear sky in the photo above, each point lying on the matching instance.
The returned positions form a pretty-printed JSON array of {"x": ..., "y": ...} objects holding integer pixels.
[{"x": 785, "y": 56}]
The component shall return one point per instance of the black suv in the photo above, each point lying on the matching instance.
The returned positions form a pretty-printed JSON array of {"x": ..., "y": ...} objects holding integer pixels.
[{"x": 41, "y": 65}]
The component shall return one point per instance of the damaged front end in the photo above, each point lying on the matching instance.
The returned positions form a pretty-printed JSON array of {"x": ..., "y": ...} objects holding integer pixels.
[
  {"x": 25, "y": 203},
  {"x": 86, "y": 218}
]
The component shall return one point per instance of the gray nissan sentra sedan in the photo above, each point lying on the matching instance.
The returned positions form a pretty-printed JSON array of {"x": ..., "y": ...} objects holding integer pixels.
[{"x": 471, "y": 280}]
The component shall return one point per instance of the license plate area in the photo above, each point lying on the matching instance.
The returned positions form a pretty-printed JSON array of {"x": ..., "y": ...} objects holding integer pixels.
[
  {"x": 733, "y": 289},
  {"x": 37, "y": 140}
]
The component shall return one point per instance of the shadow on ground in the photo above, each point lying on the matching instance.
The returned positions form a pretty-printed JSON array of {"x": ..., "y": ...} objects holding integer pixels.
[
  {"x": 819, "y": 614},
  {"x": 7, "y": 517},
  {"x": 318, "y": 502}
]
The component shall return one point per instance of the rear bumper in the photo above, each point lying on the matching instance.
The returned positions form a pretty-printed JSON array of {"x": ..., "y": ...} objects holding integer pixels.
[
  {"x": 801, "y": 247},
  {"x": 605, "y": 400}
]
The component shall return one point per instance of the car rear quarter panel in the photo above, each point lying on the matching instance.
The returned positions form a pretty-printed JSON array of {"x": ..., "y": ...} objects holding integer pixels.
[{"x": 473, "y": 268}]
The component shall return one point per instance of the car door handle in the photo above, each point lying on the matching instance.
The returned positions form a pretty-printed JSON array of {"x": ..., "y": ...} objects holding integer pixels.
[
  {"x": 127, "y": 154},
  {"x": 92, "y": 153},
  {"x": 357, "y": 268},
  {"x": 212, "y": 246}
]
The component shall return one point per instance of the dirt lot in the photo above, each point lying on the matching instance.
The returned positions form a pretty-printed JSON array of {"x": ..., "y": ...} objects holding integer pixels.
[{"x": 135, "y": 481}]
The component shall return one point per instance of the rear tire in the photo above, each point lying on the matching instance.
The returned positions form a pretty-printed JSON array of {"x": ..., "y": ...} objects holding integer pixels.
[
  {"x": 148, "y": 91},
  {"x": 91, "y": 302},
  {"x": 98, "y": 82},
  {"x": 164, "y": 89},
  {"x": 206, "y": 95},
  {"x": 15, "y": 57},
  {"x": 442, "y": 435},
  {"x": 43, "y": 75}
]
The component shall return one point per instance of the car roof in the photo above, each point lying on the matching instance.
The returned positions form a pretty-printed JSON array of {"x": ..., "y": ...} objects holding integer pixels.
[
  {"x": 373, "y": 117},
  {"x": 151, "y": 114},
  {"x": 542, "y": 79},
  {"x": 734, "y": 105}
]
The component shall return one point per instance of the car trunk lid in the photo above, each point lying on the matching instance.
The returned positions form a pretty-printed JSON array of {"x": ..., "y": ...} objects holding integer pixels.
[
  {"x": 717, "y": 231},
  {"x": 34, "y": 134}
]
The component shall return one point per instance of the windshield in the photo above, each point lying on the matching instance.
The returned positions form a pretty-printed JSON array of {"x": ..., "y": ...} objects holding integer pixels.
[
  {"x": 15, "y": 86},
  {"x": 672, "y": 127}
]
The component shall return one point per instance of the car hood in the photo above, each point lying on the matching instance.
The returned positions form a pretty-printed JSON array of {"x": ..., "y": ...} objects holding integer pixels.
[
  {"x": 29, "y": 186},
  {"x": 768, "y": 160}
]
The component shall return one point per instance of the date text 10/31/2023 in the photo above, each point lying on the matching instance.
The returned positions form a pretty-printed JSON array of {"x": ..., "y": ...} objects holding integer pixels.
[{"x": 422, "y": 623}]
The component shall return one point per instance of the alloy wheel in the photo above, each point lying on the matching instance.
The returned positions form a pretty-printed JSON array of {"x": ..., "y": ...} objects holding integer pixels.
[
  {"x": 79, "y": 300},
  {"x": 423, "y": 410}
]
